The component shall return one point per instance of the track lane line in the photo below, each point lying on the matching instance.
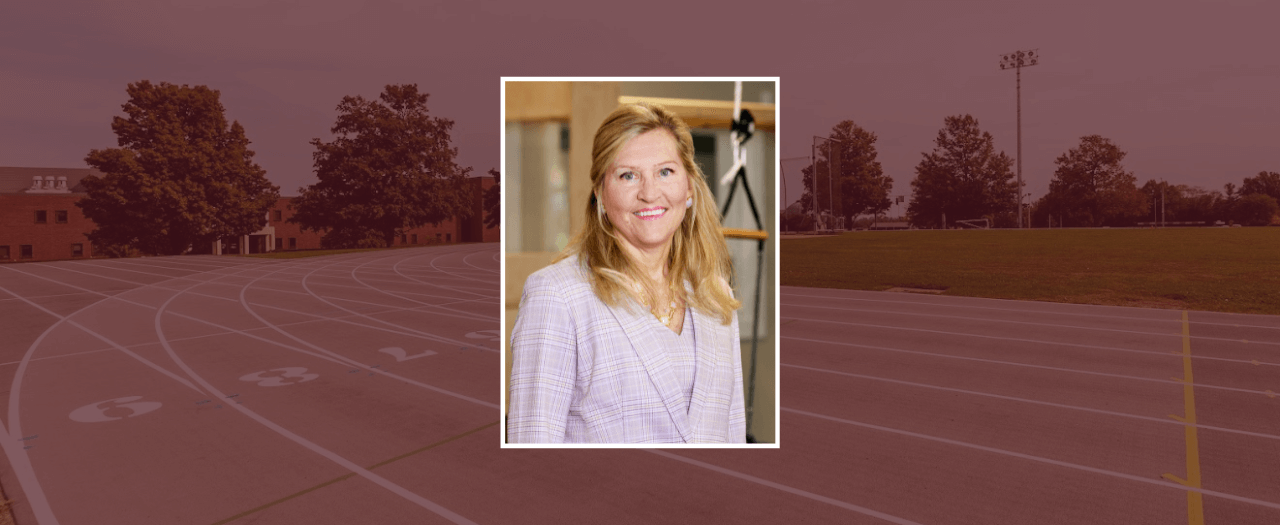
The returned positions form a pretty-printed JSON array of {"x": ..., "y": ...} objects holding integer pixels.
[
  {"x": 346, "y": 359},
  {"x": 394, "y": 325},
  {"x": 1025, "y": 365},
  {"x": 1024, "y": 310},
  {"x": 1151, "y": 481},
  {"x": 342, "y": 319},
  {"x": 297, "y": 439},
  {"x": 1195, "y": 501},
  {"x": 1038, "y": 341},
  {"x": 785, "y": 488},
  {"x": 1028, "y": 323},
  {"x": 1161, "y": 420},
  {"x": 324, "y": 354},
  {"x": 18, "y": 458}
]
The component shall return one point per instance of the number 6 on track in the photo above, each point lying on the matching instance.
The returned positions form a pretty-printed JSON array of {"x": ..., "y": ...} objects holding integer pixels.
[
  {"x": 401, "y": 355},
  {"x": 265, "y": 378}
]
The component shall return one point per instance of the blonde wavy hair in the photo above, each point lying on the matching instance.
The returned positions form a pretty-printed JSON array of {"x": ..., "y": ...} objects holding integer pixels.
[{"x": 698, "y": 253}]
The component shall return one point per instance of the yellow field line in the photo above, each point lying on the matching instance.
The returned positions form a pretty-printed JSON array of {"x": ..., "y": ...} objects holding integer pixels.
[{"x": 1195, "y": 500}]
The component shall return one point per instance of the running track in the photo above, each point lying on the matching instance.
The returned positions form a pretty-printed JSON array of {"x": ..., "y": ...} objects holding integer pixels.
[{"x": 363, "y": 388}]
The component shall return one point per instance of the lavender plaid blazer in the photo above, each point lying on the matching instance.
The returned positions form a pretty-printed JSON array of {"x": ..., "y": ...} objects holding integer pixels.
[{"x": 583, "y": 372}]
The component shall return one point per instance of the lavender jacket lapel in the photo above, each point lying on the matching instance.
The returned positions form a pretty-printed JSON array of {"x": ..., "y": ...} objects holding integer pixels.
[{"x": 635, "y": 322}]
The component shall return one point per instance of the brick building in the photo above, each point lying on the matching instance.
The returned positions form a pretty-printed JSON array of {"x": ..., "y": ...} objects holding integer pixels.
[
  {"x": 290, "y": 236},
  {"x": 39, "y": 220}
]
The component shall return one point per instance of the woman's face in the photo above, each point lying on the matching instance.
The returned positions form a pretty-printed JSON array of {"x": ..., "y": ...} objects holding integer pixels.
[{"x": 644, "y": 192}]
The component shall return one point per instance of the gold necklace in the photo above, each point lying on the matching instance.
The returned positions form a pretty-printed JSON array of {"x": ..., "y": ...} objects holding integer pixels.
[{"x": 664, "y": 317}]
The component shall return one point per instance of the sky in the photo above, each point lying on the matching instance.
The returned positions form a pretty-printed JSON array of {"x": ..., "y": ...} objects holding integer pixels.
[{"x": 1187, "y": 88}]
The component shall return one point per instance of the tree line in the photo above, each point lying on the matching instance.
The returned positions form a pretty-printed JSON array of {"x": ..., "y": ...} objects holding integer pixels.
[
  {"x": 182, "y": 177},
  {"x": 964, "y": 177}
]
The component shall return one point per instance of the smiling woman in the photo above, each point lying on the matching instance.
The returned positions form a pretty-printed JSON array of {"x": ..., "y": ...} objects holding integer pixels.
[{"x": 631, "y": 336}]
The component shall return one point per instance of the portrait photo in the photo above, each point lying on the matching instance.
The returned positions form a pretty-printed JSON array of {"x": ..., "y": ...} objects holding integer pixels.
[{"x": 640, "y": 262}]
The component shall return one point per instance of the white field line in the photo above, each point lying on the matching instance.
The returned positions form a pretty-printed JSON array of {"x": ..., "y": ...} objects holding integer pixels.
[
  {"x": 1162, "y": 420},
  {"x": 299, "y": 440},
  {"x": 55, "y": 295},
  {"x": 401, "y": 295},
  {"x": 220, "y": 333},
  {"x": 324, "y": 354},
  {"x": 389, "y": 308},
  {"x": 1151, "y": 481},
  {"x": 466, "y": 261},
  {"x": 394, "y": 268},
  {"x": 1037, "y": 341},
  {"x": 245, "y": 305},
  {"x": 279, "y": 280},
  {"x": 1038, "y": 304},
  {"x": 987, "y": 320},
  {"x": 1014, "y": 339},
  {"x": 785, "y": 488},
  {"x": 1025, "y": 365},
  {"x": 187, "y": 267},
  {"x": 486, "y": 280},
  {"x": 18, "y": 458},
  {"x": 432, "y": 337}
]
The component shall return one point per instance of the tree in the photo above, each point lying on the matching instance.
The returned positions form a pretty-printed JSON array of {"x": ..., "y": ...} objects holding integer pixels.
[
  {"x": 964, "y": 177},
  {"x": 1256, "y": 209},
  {"x": 1091, "y": 187},
  {"x": 864, "y": 188},
  {"x": 390, "y": 168},
  {"x": 493, "y": 201},
  {"x": 1266, "y": 183},
  {"x": 181, "y": 178}
]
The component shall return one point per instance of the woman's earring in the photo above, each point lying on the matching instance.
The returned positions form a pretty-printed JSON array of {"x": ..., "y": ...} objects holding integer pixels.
[{"x": 688, "y": 203}]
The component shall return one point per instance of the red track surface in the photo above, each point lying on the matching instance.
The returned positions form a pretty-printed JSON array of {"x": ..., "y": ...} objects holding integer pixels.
[{"x": 898, "y": 408}]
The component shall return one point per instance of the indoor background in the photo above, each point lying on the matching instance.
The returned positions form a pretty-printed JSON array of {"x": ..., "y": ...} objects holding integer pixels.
[{"x": 549, "y": 129}]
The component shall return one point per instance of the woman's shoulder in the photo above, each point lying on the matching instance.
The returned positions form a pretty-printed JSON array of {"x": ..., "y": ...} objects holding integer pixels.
[{"x": 561, "y": 275}]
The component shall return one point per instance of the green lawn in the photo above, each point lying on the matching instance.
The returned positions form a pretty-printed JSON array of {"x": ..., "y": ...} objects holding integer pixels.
[{"x": 1216, "y": 269}]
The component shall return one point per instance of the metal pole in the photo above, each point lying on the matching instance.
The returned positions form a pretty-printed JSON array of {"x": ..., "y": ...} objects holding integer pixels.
[
  {"x": 1163, "y": 199},
  {"x": 1019, "y": 90},
  {"x": 1016, "y": 61},
  {"x": 813, "y": 181},
  {"x": 831, "y": 197}
]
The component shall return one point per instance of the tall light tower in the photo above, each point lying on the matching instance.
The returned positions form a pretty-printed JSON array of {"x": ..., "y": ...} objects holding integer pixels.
[
  {"x": 833, "y": 184},
  {"x": 1016, "y": 61}
]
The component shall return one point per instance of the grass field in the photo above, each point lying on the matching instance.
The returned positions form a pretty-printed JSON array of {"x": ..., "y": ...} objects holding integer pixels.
[
  {"x": 1215, "y": 269},
  {"x": 298, "y": 254}
]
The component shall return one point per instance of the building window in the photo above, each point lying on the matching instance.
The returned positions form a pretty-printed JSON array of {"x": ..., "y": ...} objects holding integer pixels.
[
  {"x": 77, "y": 249},
  {"x": 404, "y": 239},
  {"x": 26, "y": 252},
  {"x": 280, "y": 242},
  {"x": 415, "y": 236},
  {"x": 293, "y": 241},
  {"x": 60, "y": 216},
  {"x": 4, "y": 253},
  {"x": 42, "y": 217},
  {"x": 448, "y": 237},
  {"x": 438, "y": 235},
  {"x": 278, "y": 215}
]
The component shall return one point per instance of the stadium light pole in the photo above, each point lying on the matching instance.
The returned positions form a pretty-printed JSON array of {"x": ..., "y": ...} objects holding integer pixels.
[
  {"x": 1016, "y": 61},
  {"x": 785, "y": 204},
  {"x": 830, "y": 193}
]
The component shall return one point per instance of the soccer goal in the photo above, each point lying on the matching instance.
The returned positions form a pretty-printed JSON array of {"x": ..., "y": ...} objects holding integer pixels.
[{"x": 977, "y": 224}]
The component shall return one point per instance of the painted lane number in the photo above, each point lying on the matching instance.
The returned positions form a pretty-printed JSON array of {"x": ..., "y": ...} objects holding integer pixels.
[
  {"x": 113, "y": 409},
  {"x": 280, "y": 376},
  {"x": 401, "y": 355},
  {"x": 491, "y": 335}
]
